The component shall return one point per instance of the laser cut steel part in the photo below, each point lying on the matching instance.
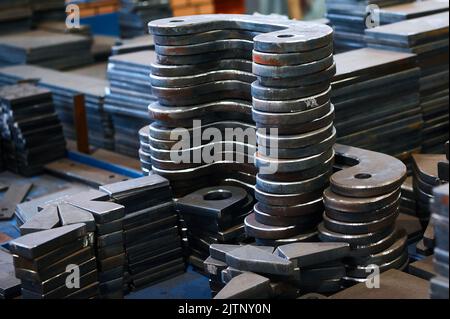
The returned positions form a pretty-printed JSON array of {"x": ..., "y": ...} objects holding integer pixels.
[
  {"x": 375, "y": 174},
  {"x": 15, "y": 194}
]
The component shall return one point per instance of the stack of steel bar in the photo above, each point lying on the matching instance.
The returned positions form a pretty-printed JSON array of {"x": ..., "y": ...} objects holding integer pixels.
[
  {"x": 48, "y": 10},
  {"x": 150, "y": 229},
  {"x": 428, "y": 38},
  {"x": 135, "y": 14},
  {"x": 439, "y": 284},
  {"x": 15, "y": 16},
  {"x": 48, "y": 49},
  {"x": 411, "y": 10},
  {"x": 109, "y": 243},
  {"x": 214, "y": 215},
  {"x": 128, "y": 97},
  {"x": 425, "y": 178},
  {"x": 9, "y": 284},
  {"x": 361, "y": 208},
  {"x": 294, "y": 117},
  {"x": 255, "y": 272},
  {"x": 350, "y": 18},
  {"x": 45, "y": 260},
  {"x": 31, "y": 131},
  {"x": 64, "y": 87},
  {"x": 145, "y": 150},
  {"x": 375, "y": 93}
]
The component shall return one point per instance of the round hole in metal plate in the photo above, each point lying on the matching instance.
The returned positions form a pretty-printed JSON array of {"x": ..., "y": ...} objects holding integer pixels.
[
  {"x": 363, "y": 176},
  {"x": 217, "y": 195}
]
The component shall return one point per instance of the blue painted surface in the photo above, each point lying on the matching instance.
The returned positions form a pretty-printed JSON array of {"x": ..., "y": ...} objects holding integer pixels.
[{"x": 103, "y": 24}]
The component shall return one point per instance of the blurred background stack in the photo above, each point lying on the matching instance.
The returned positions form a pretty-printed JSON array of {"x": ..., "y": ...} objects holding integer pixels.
[{"x": 15, "y": 16}]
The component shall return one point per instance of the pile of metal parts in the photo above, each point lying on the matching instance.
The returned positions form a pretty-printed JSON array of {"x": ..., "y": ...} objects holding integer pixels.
[
  {"x": 64, "y": 87},
  {"x": 48, "y": 10},
  {"x": 47, "y": 49},
  {"x": 350, "y": 18},
  {"x": 31, "y": 131},
  {"x": 289, "y": 271},
  {"x": 428, "y": 38},
  {"x": 214, "y": 215},
  {"x": 145, "y": 150},
  {"x": 41, "y": 260},
  {"x": 128, "y": 97},
  {"x": 15, "y": 16},
  {"x": 9, "y": 284},
  {"x": 151, "y": 234},
  {"x": 140, "y": 43},
  {"x": 361, "y": 208},
  {"x": 375, "y": 93},
  {"x": 411, "y": 10},
  {"x": 440, "y": 283},
  {"x": 135, "y": 14}
]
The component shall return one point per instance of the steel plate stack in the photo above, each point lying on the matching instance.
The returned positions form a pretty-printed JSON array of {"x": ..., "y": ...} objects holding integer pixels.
[
  {"x": 31, "y": 130},
  {"x": 411, "y": 10},
  {"x": 214, "y": 215},
  {"x": 15, "y": 16},
  {"x": 47, "y": 49},
  {"x": 428, "y": 38},
  {"x": 150, "y": 230},
  {"x": 128, "y": 98},
  {"x": 145, "y": 150},
  {"x": 349, "y": 20},
  {"x": 439, "y": 284},
  {"x": 361, "y": 208},
  {"x": 42, "y": 262},
  {"x": 377, "y": 102},
  {"x": 64, "y": 86},
  {"x": 9, "y": 284},
  {"x": 48, "y": 10},
  {"x": 135, "y": 14}
]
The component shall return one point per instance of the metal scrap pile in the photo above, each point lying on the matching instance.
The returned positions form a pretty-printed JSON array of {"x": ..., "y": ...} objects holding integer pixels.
[
  {"x": 428, "y": 38},
  {"x": 64, "y": 87},
  {"x": 135, "y": 14},
  {"x": 31, "y": 132},
  {"x": 128, "y": 97}
]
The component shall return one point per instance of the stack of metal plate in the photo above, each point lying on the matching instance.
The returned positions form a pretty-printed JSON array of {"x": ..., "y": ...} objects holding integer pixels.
[
  {"x": 255, "y": 272},
  {"x": 48, "y": 49},
  {"x": 408, "y": 203},
  {"x": 350, "y": 18},
  {"x": 48, "y": 10},
  {"x": 9, "y": 284},
  {"x": 145, "y": 150},
  {"x": 150, "y": 229},
  {"x": 426, "y": 177},
  {"x": 64, "y": 87},
  {"x": 411, "y": 10},
  {"x": 15, "y": 16},
  {"x": 47, "y": 262},
  {"x": 377, "y": 102},
  {"x": 428, "y": 38},
  {"x": 135, "y": 14},
  {"x": 361, "y": 208},
  {"x": 128, "y": 97},
  {"x": 294, "y": 117},
  {"x": 214, "y": 215},
  {"x": 31, "y": 130},
  {"x": 109, "y": 243},
  {"x": 439, "y": 284},
  {"x": 141, "y": 43}
]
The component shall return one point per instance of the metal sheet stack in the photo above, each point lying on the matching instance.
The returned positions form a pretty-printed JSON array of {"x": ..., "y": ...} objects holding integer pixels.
[
  {"x": 151, "y": 232},
  {"x": 48, "y": 49},
  {"x": 128, "y": 97},
  {"x": 31, "y": 131},
  {"x": 349, "y": 20},
  {"x": 15, "y": 16},
  {"x": 428, "y": 38},
  {"x": 439, "y": 284},
  {"x": 411, "y": 10},
  {"x": 375, "y": 93},
  {"x": 48, "y": 10},
  {"x": 145, "y": 150},
  {"x": 294, "y": 117},
  {"x": 214, "y": 215},
  {"x": 135, "y": 14},
  {"x": 9, "y": 284},
  {"x": 64, "y": 86},
  {"x": 44, "y": 262},
  {"x": 425, "y": 178},
  {"x": 256, "y": 272},
  {"x": 361, "y": 208}
]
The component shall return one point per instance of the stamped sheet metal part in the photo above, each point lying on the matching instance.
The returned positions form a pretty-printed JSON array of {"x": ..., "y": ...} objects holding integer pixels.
[
  {"x": 9, "y": 284},
  {"x": 46, "y": 219},
  {"x": 15, "y": 194}
]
